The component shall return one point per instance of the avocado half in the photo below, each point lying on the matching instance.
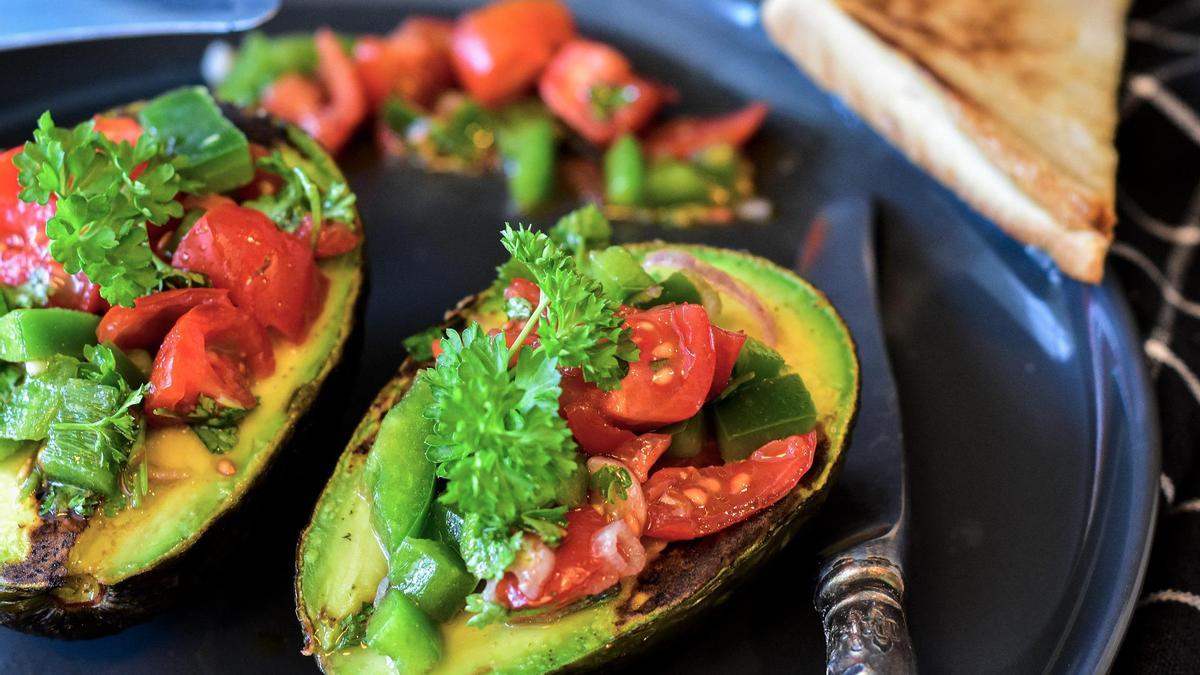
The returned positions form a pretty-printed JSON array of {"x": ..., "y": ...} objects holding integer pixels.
[
  {"x": 340, "y": 564},
  {"x": 72, "y": 578}
]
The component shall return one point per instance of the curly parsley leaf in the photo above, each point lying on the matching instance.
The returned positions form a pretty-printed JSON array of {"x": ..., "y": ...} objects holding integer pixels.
[
  {"x": 613, "y": 482},
  {"x": 580, "y": 328},
  {"x": 99, "y": 225},
  {"x": 215, "y": 424},
  {"x": 306, "y": 191},
  {"x": 499, "y": 442}
]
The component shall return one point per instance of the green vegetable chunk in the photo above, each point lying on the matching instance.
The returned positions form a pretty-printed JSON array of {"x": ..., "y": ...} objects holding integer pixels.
[
  {"x": 444, "y": 525},
  {"x": 759, "y": 360},
  {"x": 191, "y": 126},
  {"x": 670, "y": 182},
  {"x": 400, "y": 476},
  {"x": 687, "y": 437},
  {"x": 38, "y": 334},
  {"x": 401, "y": 631},
  {"x": 432, "y": 575},
  {"x": 624, "y": 172},
  {"x": 527, "y": 142},
  {"x": 261, "y": 60},
  {"x": 619, "y": 273},
  {"x": 84, "y": 457},
  {"x": 761, "y": 412}
]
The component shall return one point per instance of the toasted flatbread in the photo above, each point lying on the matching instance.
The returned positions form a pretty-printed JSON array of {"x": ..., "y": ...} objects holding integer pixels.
[{"x": 1011, "y": 103}]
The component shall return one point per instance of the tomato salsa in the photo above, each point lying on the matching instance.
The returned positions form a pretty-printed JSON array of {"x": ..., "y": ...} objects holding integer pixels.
[{"x": 511, "y": 86}]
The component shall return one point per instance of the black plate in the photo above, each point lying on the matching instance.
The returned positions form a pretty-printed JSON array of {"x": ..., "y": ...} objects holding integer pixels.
[{"x": 1033, "y": 451}]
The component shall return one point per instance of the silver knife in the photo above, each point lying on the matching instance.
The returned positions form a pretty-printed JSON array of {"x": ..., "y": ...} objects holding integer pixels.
[
  {"x": 860, "y": 587},
  {"x": 31, "y": 23}
]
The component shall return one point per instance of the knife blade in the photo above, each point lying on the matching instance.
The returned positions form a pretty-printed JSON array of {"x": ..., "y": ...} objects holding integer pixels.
[
  {"x": 31, "y": 23},
  {"x": 860, "y": 589}
]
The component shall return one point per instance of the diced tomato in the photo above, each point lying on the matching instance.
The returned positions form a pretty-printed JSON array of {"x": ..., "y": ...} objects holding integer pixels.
[
  {"x": 594, "y": 89},
  {"x": 726, "y": 345},
  {"x": 523, "y": 288},
  {"x": 581, "y": 405},
  {"x": 500, "y": 49},
  {"x": 268, "y": 272},
  {"x": 330, "y": 112},
  {"x": 683, "y": 137},
  {"x": 672, "y": 377},
  {"x": 512, "y": 330},
  {"x": 578, "y": 572},
  {"x": 689, "y": 502},
  {"x": 213, "y": 349},
  {"x": 335, "y": 237},
  {"x": 413, "y": 61},
  {"x": 118, "y": 129},
  {"x": 640, "y": 453},
  {"x": 144, "y": 325}
]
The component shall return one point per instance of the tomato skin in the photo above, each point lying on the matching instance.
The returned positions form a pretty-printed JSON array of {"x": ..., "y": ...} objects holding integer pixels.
[
  {"x": 727, "y": 345},
  {"x": 118, "y": 129},
  {"x": 500, "y": 49},
  {"x": 577, "y": 572},
  {"x": 683, "y": 137},
  {"x": 413, "y": 61},
  {"x": 678, "y": 338},
  {"x": 268, "y": 272},
  {"x": 292, "y": 97},
  {"x": 330, "y": 112},
  {"x": 215, "y": 350},
  {"x": 144, "y": 325},
  {"x": 689, "y": 502},
  {"x": 581, "y": 405},
  {"x": 570, "y": 79},
  {"x": 334, "y": 239},
  {"x": 640, "y": 453},
  {"x": 523, "y": 288}
]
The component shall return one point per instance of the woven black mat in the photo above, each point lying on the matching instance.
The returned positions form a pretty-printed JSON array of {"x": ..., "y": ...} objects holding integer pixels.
[{"x": 1155, "y": 257}]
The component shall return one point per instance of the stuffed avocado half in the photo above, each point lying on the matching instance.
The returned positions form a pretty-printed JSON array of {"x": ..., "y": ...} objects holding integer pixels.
[
  {"x": 179, "y": 279},
  {"x": 609, "y": 437}
]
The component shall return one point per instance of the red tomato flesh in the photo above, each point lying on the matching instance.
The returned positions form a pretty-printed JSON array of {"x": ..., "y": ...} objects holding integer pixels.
[
  {"x": 683, "y": 137},
  {"x": 577, "y": 571},
  {"x": 674, "y": 372},
  {"x": 500, "y": 49},
  {"x": 215, "y": 350},
  {"x": 414, "y": 62},
  {"x": 144, "y": 325},
  {"x": 268, "y": 272},
  {"x": 689, "y": 502},
  {"x": 523, "y": 288},
  {"x": 727, "y": 345},
  {"x": 334, "y": 239},
  {"x": 581, "y": 75}
]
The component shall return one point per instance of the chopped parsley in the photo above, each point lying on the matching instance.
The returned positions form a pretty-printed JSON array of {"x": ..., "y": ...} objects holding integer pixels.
[
  {"x": 613, "y": 482},
  {"x": 215, "y": 424}
]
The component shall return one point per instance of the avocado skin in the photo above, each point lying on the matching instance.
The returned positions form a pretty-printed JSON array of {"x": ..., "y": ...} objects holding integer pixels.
[
  {"x": 30, "y": 606},
  {"x": 690, "y": 577}
]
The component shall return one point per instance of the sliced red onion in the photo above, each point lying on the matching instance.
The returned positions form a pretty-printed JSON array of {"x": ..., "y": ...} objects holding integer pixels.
[
  {"x": 619, "y": 548},
  {"x": 533, "y": 566},
  {"x": 632, "y": 509},
  {"x": 676, "y": 259}
]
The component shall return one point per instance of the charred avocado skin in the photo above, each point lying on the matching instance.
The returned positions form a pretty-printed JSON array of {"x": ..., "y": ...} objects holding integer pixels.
[
  {"x": 74, "y": 579},
  {"x": 339, "y": 563}
]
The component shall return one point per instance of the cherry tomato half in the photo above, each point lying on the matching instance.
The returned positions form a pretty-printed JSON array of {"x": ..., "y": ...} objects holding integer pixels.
[
  {"x": 500, "y": 49},
  {"x": 268, "y": 272},
  {"x": 593, "y": 88},
  {"x": 683, "y": 137},
  {"x": 578, "y": 572},
  {"x": 215, "y": 350},
  {"x": 144, "y": 325},
  {"x": 581, "y": 405},
  {"x": 727, "y": 345},
  {"x": 689, "y": 502},
  {"x": 414, "y": 61},
  {"x": 672, "y": 377}
]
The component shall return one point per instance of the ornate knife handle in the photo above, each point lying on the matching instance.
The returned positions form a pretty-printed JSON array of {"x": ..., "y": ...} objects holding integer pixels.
[{"x": 861, "y": 605}]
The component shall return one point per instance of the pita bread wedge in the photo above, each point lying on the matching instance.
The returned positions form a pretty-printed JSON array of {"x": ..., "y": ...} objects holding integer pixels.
[{"x": 1011, "y": 103}]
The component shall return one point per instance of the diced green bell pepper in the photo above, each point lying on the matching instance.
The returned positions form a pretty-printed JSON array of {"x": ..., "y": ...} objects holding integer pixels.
[
  {"x": 619, "y": 273},
  {"x": 528, "y": 144},
  {"x": 399, "y": 630},
  {"x": 670, "y": 182},
  {"x": 191, "y": 126},
  {"x": 400, "y": 476},
  {"x": 624, "y": 172},
  {"x": 760, "y": 412},
  {"x": 83, "y": 457},
  {"x": 38, "y": 334},
  {"x": 687, "y": 437},
  {"x": 444, "y": 525},
  {"x": 432, "y": 575},
  {"x": 759, "y": 360}
]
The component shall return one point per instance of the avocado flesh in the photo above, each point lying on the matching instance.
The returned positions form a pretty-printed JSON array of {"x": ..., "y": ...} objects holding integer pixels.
[
  {"x": 71, "y": 578},
  {"x": 683, "y": 579}
]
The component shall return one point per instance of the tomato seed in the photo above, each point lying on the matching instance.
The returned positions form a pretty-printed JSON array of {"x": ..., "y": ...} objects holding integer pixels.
[
  {"x": 696, "y": 496},
  {"x": 226, "y": 467},
  {"x": 663, "y": 350},
  {"x": 739, "y": 483},
  {"x": 711, "y": 484},
  {"x": 663, "y": 376}
]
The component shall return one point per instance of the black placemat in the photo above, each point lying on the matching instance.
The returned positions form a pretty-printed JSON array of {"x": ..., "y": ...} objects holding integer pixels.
[{"x": 1155, "y": 257}]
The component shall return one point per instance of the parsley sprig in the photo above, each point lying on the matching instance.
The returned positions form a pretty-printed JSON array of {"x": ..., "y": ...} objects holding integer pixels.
[
  {"x": 99, "y": 225},
  {"x": 580, "y": 327}
]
